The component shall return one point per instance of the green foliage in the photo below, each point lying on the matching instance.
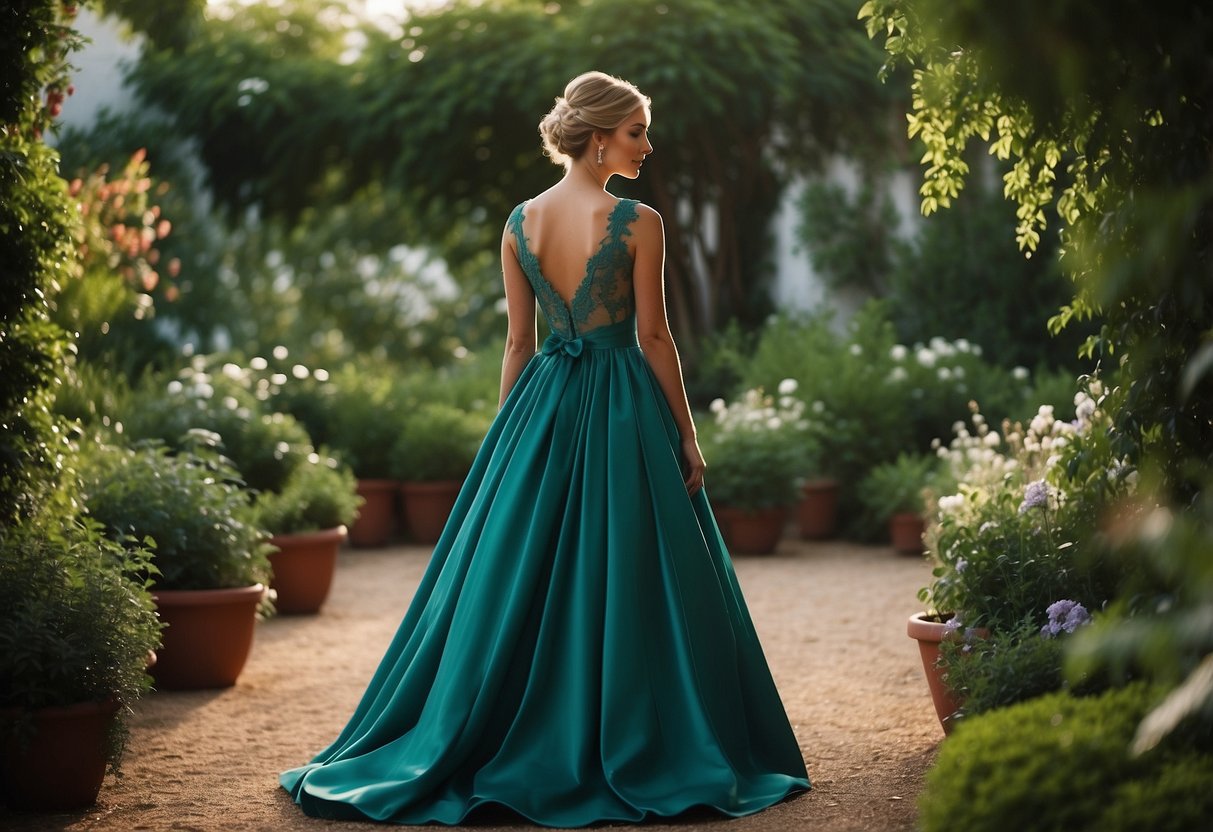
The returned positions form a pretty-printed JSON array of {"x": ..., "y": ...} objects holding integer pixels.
[
  {"x": 897, "y": 486},
  {"x": 851, "y": 242},
  {"x": 1019, "y": 533},
  {"x": 869, "y": 397},
  {"x": 365, "y": 417},
  {"x": 36, "y": 253},
  {"x": 759, "y": 450},
  {"x": 436, "y": 442},
  {"x": 1006, "y": 667},
  {"x": 1110, "y": 132},
  {"x": 265, "y": 447},
  {"x": 76, "y": 620},
  {"x": 1159, "y": 630},
  {"x": 190, "y": 504},
  {"x": 1059, "y": 762},
  {"x": 442, "y": 113},
  {"x": 319, "y": 494}
]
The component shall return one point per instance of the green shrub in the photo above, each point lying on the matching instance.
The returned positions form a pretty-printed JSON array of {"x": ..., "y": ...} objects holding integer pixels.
[
  {"x": 437, "y": 442},
  {"x": 264, "y": 446},
  {"x": 319, "y": 494},
  {"x": 759, "y": 449},
  {"x": 1061, "y": 762},
  {"x": 76, "y": 620},
  {"x": 893, "y": 487},
  {"x": 191, "y": 504},
  {"x": 366, "y": 417},
  {"x": 1004, "y": 668}
]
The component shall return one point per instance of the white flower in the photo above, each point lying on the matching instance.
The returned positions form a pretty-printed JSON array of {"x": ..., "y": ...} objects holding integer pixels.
[
  {"x": 301, "y": 372},
  {"x": 855, "y": 349},
  {"x": 717, "y": 406},
  {"x": 787, "y": 386},
  {"x": 278, "y": 378},
  {"x": 258, "y": 363},
  {"x": 203, "y": 391},
  {"x": 320, "y": 374},
  {"x": 1096, "y": 387},
  {"x": 1020, "y": 374},
  {"x": 819, "y": 406},
  {"x": 174, "y": 387},
  {"x": 944, "y": 374},
  {"x": 232, "y": 371},
  {"x": 962, "y": 344},
  {"x": 774, "y": 423},
  {"x": 280, "y": 352},
  {"x": 951, "y": 503},
  {"x": 898, "y": 352},
  {"x": 925, "y": 357},
  {"x": 958, "y": 372},
  {"x": 991, "y": 439},
  {"x": 230, "y": 402},
  {"x": 975, "y": 349},
  {"x": 898, "y": 374}
]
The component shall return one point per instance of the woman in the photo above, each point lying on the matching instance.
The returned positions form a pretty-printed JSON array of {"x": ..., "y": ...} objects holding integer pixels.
[{"x": 578, "y": 649}]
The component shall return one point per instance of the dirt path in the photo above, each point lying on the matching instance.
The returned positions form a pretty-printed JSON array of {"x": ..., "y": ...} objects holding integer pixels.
[{"x": 831, "y": 618}]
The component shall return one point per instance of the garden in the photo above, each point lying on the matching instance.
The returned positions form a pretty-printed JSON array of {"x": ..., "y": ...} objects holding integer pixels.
[{"x": 232, "y": 394}]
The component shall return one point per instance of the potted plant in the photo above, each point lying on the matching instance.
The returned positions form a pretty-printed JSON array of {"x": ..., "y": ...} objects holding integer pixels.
[
  {"x": 367, "y": 407},
  {"x": 756, "y": 452},
  {"x": 892, "y": 494},
  {"x": 1016, "y": 539},
  {"x": 431, "y": 457},
  {"x": 77, "y": 627},
  {"x": 308, "y": 520},
  {"x": 210, "y": 555}
]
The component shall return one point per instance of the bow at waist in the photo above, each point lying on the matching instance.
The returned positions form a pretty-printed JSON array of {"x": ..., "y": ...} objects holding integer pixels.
[{"x": 614, "y": 336}]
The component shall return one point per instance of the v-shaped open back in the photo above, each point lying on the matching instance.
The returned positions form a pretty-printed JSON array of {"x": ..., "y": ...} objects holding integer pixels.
[{"x": 604, "y": 295}]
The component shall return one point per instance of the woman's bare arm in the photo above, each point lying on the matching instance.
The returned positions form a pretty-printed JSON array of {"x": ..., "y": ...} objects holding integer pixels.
[
  {"x": 520, "y": 311},
  {"x": 653, "y": 331}
]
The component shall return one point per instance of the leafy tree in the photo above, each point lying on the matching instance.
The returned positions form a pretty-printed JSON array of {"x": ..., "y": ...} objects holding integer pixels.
[
  {"x": 36, "y": 252},
  {"x": 444, "y": 112},
  {"x": 1106, "y": 120}
]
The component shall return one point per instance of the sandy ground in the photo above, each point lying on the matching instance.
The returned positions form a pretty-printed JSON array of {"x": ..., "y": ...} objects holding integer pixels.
[{"x": 831, "y": 617}]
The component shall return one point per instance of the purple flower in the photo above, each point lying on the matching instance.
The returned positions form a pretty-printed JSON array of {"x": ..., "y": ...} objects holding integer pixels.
[
  {"x": 961, "y": 563},
  {"x": 1064, "y": 616},
  {"x": 952, "y": 624},
  {"x": 1036, "y": 495}
]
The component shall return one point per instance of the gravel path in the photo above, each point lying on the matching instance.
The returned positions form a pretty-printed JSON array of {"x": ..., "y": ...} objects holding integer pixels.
[{"x": 831, "y": 617}]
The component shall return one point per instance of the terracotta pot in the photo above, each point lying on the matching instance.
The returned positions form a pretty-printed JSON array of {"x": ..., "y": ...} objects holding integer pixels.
[
  {"x": 208, "y": 636},
  {"x": 754, "y": 532},
  {"x": 303, "y": 569},
  {"x": 427, "y": 505},
  {"x": 63, "y": 763},
  {"x": 376, "y": 521},
  {"x": 929, "y": 631},
  {"x": 905, "y": 532},
  {"x": 817, "y": 512}
]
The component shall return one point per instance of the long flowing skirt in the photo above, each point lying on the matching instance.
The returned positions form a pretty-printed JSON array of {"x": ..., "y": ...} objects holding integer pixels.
[{"x": 578, "y": 649}]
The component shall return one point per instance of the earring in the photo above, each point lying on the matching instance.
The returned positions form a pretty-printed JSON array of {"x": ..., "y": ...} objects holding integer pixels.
[{"x": 600, "y": 154}]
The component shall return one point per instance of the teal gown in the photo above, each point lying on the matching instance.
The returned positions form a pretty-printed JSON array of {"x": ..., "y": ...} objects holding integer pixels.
[{"x": 578, "y": 649}]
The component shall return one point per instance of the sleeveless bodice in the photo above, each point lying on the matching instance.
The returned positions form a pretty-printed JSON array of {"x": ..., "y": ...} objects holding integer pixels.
[{"x": 604, "y": 297}]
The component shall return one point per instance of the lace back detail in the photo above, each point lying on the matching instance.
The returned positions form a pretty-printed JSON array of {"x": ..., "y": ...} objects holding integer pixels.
[{"x": 604, "y": 295}]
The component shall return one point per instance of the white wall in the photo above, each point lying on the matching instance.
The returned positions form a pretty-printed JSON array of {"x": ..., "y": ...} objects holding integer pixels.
[{"x": 98, "y": 77}]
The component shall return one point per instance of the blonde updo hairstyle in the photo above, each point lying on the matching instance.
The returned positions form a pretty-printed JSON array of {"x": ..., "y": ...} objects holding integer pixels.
[{"x": 591, "y": 101}]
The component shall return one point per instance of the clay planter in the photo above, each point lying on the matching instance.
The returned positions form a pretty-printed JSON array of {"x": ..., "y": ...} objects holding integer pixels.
[
  {"x": 905, "y": 532},
  {"x": 427, "y": 505},
  {"x": 303, "y": 569},
  {"x": 754, "y": 532},
  {"x": 62, "y": 765},
  {"x": 376, "y": 520},
  {"x": 930, "y": 632},
  {"x": 817, "y": 512},
  {"x": 208, "y": 637}
]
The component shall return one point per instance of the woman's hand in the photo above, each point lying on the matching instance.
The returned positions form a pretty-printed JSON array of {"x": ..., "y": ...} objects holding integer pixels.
[{"x": 693, "y": 464}]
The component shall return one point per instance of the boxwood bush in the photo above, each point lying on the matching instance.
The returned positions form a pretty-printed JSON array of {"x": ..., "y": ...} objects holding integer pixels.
[{"x": 1061, "y": 762}]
